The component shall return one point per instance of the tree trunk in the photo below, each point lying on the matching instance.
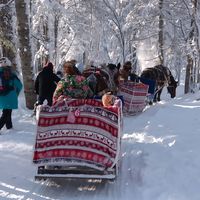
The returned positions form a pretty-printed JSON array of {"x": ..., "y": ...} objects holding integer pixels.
[
  {"x": 197, "y": 58},
  {"x": 160, "y": 34},
  {"x": 188, "y": 74},
  {"x": 25, "y": 52},
  {"x": 6, "y": 31},
  {"x": 189, "y": 77},
  {"x": 56, "y": 23}
]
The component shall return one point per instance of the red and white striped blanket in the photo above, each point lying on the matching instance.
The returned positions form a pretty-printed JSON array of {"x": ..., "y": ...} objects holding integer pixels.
[
  {"x": 78, "y": 133},
  {"x": 134, "y": 96}
]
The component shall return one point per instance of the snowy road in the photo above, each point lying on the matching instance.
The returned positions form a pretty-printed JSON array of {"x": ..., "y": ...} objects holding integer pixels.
[{"x": 160, "y": 159}]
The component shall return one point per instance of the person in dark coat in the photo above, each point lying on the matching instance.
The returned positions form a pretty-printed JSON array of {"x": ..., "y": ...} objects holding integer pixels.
[{"x": 45, "y": 84}]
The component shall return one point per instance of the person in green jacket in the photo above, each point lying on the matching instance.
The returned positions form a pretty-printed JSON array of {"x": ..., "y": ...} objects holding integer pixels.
[{"x": 10, "y": 87}]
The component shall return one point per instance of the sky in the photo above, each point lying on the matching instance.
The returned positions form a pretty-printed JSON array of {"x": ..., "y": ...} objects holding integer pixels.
[{"x": 159, "y": 157}]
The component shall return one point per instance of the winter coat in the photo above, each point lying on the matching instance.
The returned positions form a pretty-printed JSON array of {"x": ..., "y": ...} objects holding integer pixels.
[
  {"x": 45, "y": 83},
  {"x": 10, "y": 100},
  {"x": 72, "y": 86}
]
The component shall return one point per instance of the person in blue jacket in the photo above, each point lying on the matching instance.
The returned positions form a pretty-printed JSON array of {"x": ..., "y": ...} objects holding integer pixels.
[{"x": 10, "y": 87}]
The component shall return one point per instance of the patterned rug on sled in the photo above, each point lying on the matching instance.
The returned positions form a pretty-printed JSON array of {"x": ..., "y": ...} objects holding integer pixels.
[
  {"x": 134, "y": 96},
  {"x": 78, "y": 139}
]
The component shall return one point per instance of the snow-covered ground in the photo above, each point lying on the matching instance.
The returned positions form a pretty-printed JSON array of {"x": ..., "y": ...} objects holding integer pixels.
[{"x": 160, "y": 158}]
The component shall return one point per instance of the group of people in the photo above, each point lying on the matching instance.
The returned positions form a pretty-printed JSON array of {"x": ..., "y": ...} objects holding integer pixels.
[
  {"x": 49, "y": 86},
  {"x": 73, "y": 84},
  {"x": 52, "y": 88}
]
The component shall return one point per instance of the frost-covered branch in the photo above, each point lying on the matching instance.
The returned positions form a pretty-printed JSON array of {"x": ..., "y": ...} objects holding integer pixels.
[{"x": 7, "y": 4}]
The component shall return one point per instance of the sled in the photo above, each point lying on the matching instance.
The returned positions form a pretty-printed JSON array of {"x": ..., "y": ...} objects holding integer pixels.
[
  {"x": 134, "y": 96},
  {"x": 78, "y": 138}
]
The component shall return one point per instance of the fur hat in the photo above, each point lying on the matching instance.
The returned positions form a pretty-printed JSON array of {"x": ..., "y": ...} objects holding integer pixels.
[
  {"x": 68, "y": 68},
  {"x": 4, "y": 61}
]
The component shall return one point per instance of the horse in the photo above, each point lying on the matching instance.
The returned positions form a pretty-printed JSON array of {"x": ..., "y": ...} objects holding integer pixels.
[
  {"x": 103, "y": 79},
  {"x": 160, "y": 76}
]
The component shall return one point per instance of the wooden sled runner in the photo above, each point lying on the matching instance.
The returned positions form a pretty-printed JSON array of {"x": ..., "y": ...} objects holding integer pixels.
[
  {"x": 134, "y": 96},
  {"x": 78, "y": 139}
]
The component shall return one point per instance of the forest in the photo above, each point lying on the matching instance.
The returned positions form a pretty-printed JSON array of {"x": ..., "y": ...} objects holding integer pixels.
[{"x": 145, "y": 32}]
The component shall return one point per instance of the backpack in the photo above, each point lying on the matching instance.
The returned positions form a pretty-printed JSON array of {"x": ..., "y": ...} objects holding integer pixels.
[{"x": 6, "y": 76}]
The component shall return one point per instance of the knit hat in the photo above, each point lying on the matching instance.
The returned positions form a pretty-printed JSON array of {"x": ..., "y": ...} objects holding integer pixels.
[
  {"x": 4, "y": 61},
  {"x": 49, "y": 65}
]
